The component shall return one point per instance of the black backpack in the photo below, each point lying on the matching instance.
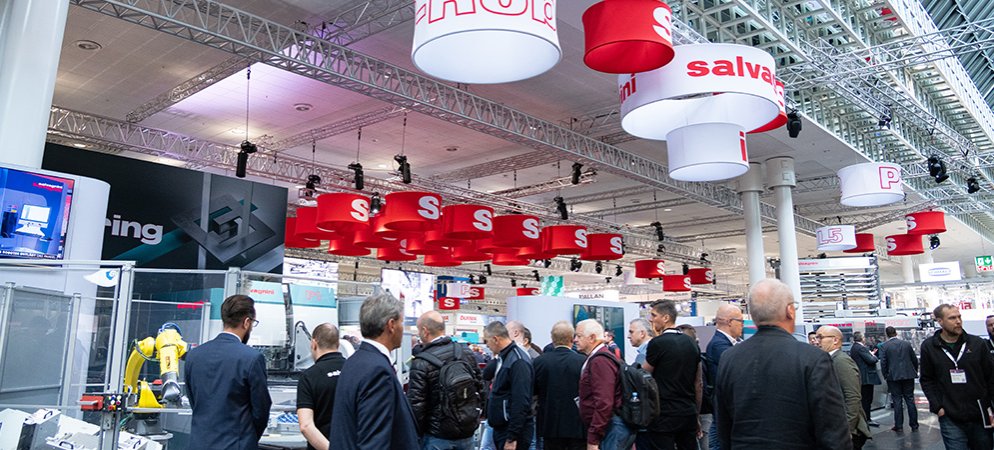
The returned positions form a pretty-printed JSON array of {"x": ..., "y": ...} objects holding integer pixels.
[
  {"x": 460, "y": 386},
  {"x": 708, "y": 379},
  {"x": 639, "y": 395}
]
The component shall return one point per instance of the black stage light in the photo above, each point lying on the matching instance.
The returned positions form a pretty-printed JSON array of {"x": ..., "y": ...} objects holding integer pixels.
[
  {"x": 704, "y": 259},
  {"x": 514, "y": 282},
  {"x": 489, "y": 269},
  {"x": 359, "y": 181},
  {"x": 482, "y": 279},
  {"x": 933, "y": 242},
  {"x": 659, "y": 230},
  {"x": 241, "y": 165},
  {"x": 405, "y": 168},
  {"x": 472, "y": 279},
  {"x": 375, "y": 204},
  {"x": 312, "y": 182},
  {"x": 793, "y": 124},
  {"x": 546, "y": 263},
  {"x": 598, "y": 267},
  {"x": 972, "y": 186},
  {"x": 685, "y": 268},
  {"x": 575, "y": 177},
  {"x": 575, "y": 265},
  {"x": 618, "y": 272},
  {"x": 536, "y": 275},
  {"x": 933, "y": 165},
  {"x": 561, "y": 208}
]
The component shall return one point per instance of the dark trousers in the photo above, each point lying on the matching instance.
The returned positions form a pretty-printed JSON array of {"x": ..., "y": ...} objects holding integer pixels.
[
  {"x": 858, "y": 440},
  {"x": 565, "y": 444},
  {"x": 643, "y": 441},
  {"x": 866, "y": 397},
  {"x": 902, "y": 392},
  {"x": 680, "y": 434},
  {"x": 501, "y": 436}
]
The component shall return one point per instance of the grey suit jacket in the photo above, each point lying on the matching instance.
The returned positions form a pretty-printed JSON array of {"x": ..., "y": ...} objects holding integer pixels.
[
  {"x": 848, "y": 374},
  {"x": 898, "y": 360}
]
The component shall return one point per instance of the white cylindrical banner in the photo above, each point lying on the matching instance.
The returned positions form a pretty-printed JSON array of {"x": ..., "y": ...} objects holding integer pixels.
[
  {"x": 704, "y": 83},
  {"x": 707, "y": 152},
  {"x": 871, "y": 184},
  {"x": 485, "y": 41},
  {"x": 835, "y": 238}
]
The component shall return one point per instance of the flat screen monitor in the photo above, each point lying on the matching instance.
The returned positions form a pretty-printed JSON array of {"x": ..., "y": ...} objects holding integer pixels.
[
  {"x": 611, "y": 317},
  {"x": 414, "y": 289},
  {"x": 35, "y": 214}
]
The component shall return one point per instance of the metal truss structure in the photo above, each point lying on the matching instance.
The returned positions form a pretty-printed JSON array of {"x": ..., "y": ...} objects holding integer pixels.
[
  {"x": 354, "y": 23},
  {"x": 249, "y": 36},
  {"x": 555, "y": 184},
  {"x": 340, "y": 127}
]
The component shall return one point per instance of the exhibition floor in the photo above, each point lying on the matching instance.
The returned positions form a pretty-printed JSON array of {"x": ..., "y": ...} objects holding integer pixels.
[{"x": 926, "y": 438}]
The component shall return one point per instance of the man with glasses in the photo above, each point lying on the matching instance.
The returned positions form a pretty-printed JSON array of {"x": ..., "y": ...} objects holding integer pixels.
[
  {"x": 728, "y": 324},
  {"x": 226, "y": 383},
  {"x": 830, "y": 340}
]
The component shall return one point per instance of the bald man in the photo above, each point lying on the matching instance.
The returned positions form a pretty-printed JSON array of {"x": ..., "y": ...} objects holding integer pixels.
[
  {"x": 728, "y": 324},
  {"x": 425, "y": 388},
  {"x": 830, "y": 340},
  {"x": 316, "y": 387},
  {"x": 773, "y": 391}
]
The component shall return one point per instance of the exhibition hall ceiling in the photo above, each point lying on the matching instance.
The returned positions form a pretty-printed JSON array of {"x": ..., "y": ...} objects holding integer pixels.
[{"x": 135, "y": 65}]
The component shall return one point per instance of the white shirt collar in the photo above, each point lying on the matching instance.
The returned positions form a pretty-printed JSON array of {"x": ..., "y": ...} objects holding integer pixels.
[
  {"x": 595, "y": 350},
  {"x": 832, "y": 353},
  {"x": 439, "y": 337},
  {"x": 730, "y": 338},
  {"x": 382, "y": 348}
]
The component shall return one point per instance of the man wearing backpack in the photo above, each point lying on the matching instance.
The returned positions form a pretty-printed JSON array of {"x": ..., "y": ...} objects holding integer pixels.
[
  {"x": 600, "y": 391},
  {"x": 445, "y": 389}
]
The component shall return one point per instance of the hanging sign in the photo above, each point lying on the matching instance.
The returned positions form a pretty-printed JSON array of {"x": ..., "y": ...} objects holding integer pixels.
[
  {"x": 650, "y": 268},
  {"x": 448, "y": 303},
  {"x": 603, "y": 247},
  {"x": 871, "y": 184},
  {"x": 627, "y": 36},
  {"x": 904, "y": 244},
  {"x": 701, "y": 275},
  {"x": 411, "y": 211},
  {"x": 864, "y": 244},
  {"x": 926, "y": 222},
  {"x": 564, "y": 239},
  {"x": 836, "y": 237},
  {"x": 985, "y": 263},
  {"x": 342, "y": 211},
  {"x": 676, "y": 283}
]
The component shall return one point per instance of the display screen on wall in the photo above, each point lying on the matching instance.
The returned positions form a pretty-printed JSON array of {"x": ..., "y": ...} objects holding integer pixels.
[
  {"x": 612, "y": 317},
  {"x": 35, "y": 217},
  {"x": 414, "y": 289}
]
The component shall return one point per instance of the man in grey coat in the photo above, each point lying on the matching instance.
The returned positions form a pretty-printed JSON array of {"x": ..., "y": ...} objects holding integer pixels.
[
  {"x": 830, "y": 340},
  {"x": 900, "y": 367}
]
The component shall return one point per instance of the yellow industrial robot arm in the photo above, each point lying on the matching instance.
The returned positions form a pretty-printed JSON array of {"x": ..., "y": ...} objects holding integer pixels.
[{"x": 169, "y": 346}]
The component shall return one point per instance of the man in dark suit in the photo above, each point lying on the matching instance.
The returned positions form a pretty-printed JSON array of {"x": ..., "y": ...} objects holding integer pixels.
[
  {"x": 316, "y": 387},
  {"x": 866, "y": 361},
  {"x": 509, "y": 410},
  {"x": 900, "y": 367},
  {"x": 371, "y": 411},
  {"x": 728, "y": 330},
  {"x": 830, "y": 340},
  {"x": 774, "y": 391},
  {"x": 557, "y": 377},
  {"x": 226, "y": 384}
]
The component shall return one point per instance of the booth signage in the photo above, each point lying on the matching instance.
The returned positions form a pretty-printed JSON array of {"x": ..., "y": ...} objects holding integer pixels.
[
  {"x": 808, "y": 265},
  {"x": 985, "y": 263},
  {"x": 448, "y": 303},
  {"x": 943, "y": 271},
  {"x": 470, "y": 319},
  {"x": 871, "y": 184}
]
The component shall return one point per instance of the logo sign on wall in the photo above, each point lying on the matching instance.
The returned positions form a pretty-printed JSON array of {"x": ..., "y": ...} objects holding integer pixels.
[
  {"x": 985, "y": 263},
  {"x": 944, "y": 271}
]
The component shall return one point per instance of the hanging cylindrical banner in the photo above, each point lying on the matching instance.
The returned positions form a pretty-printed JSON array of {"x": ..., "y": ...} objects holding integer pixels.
[
  {"x": 864, "y": 244},
  {"x": 398, "y": 253},
  {"x": 342, "y": 211},
  {"x": 364, "y": 237},
  {"x": 833, "y": 238},
  {"x": 441, "y": 260},
  {"x": 291, "y": 240},
  {"x": 468, "y": 221},
  {"x": 707, "y": 152},
  {"x": 493, "y": 42},
  {"x": 523, "y": 291},
  {"x": 628, "y": 36},
  {"x": 676, "y": 283},
  {"x": 564, "y": 239},
  {"x": 469, "y": 253},
  {"x": 650, "y": 268},
  {"x": 487, "y": 246},
  {"x": 509, "y": 259},
  {"x": 603, "y": 247},
  {"x": 515, "y": 230},
  {"x": 781, "y": 118},
  {"x": 534, "y": 251},
  {"x": 345, "y": 247},
  {"x": 926, "y": 222},
  {"x": 701, "y": 275},
  {"x": 871, "y": 184},
  {"x": 306, "y": 226},
  {"x": 416, "y": 245},
  {"x": 904, "y": 244},
  {"x": 412, "y": 211},
  {"x": 379, "y": 229},
  {"x": 437, "y": 238}
]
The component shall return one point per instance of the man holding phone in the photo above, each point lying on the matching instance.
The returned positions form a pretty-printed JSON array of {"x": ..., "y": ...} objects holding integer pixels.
[{"x": 957, "y": 375}]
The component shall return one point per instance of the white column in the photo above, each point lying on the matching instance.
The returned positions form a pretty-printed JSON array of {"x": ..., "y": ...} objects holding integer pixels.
[
  {"x": 908, "y": 269},
  {"x": 750, "y": 186},
  {"x": 30, "y": 46},
  {"x": 781, "y": 178}
]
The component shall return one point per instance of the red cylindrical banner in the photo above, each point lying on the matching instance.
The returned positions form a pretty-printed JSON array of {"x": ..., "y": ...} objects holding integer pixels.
[
  {"x": 468, "y": 221},
  {"x": 701, "y": 275},
  {"x": 534, "y": 251},
  {"x": 864, "y": 244},
  {"x": 926, "y": 222},
  {"x": 412, "y": 211},
  {"x": 650, "y": 268},
  {"x": 291, "y": 240},
  {"x": 306, "y": 227},
  {"x": 345, "y": 247},
  {"x": 469, "y": 253},
  {"x": 379, "y": 230},
  {"x": 904, "y": 244},
  {"x": 522, "y": 291},
  {"x": 437, "y": 238},
  {"x": 398, "y": 253},
  {"x": 487, "y": 246},
  {"x": 441, "y": 260},
  {"x": 564, "y": 239},
  {"x": 509, "y": 259},
  {"x": 364, "y": 237},
  {"x": 416, "y": 245},
  {"x": 342, "y": 211},
  {"x": 603, "y": 247},
  {"x": 628, "y": 36},
  {"x": 515, "y": 230},
  {"x": 676, "y": 283}
]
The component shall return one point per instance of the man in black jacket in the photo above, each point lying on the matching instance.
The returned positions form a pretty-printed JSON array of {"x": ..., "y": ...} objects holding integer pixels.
[
  {"x": 900, "y": 367},
  {"x": 425, "y": 390},
  {"x": 866, "y": 360},
  {"x": 775, "y": 392},
  {"x": 509, "y": 410},
  {"x": 557, "y": 378},
  {"x": 958, "y": 379}
]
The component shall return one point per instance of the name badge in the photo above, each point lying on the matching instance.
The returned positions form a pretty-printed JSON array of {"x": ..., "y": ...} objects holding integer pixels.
[{"x": 958, "y": 376}]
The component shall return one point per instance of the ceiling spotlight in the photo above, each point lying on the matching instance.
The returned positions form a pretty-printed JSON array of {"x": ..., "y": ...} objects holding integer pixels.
[
  {"x": 472, "y": 279},
  {"x": 514, "y": 282},
  {"x": 933, "y": 242},
  {"x": 972, "y": 186},
  {"x": 357, "y": 168},
  {"x": 241, "y": 165},
  {"x": 405, "y": 168},
  {"x": 704, "y": 258},
  {"x": 607, "y": 280},
  {"x": 490, "y": 271},
  {"x": 375, "y": 204},
  {"x": 561, "y": 208},
  {"x": 575, "y": 177},
  {"x": 884, "y": 121},
  {"x": 312, "y": 182},
  {"x": 482, "y": 279},
  {"x": 575, "y": 265},
  {"x": 598, "y": 267},
  {"x": 659, "y": 230},
  {"x": 546, "y": 263},
  {"x": 618, "y": 272},
  {"x": 822, "y": 256},
  {"x": 685, "y": 268},
  {"x": 536, "y": 275},
  {"x": 660, "y": 249},
  {"x": 793, "y": 124},
  {"x": 937, "y": 169}
]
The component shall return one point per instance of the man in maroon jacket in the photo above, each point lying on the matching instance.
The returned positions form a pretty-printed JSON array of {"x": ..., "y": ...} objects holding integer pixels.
[{"x": 600, "y": 391}]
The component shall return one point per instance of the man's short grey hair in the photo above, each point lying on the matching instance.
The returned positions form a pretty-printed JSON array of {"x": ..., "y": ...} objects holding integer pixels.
[
  {"x": 590, "y": 327},
  {"x": 768, "y": 300},
  {"x": 376, "y": 311},
  {"x": 644, "y": 325},
  {"x": 496, "y": 329}
]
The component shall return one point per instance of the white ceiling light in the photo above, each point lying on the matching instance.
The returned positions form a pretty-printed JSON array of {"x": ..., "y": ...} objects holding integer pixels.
[
  {"x": 485, "y": 42},
  {"x": 871, "y": 184}
]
